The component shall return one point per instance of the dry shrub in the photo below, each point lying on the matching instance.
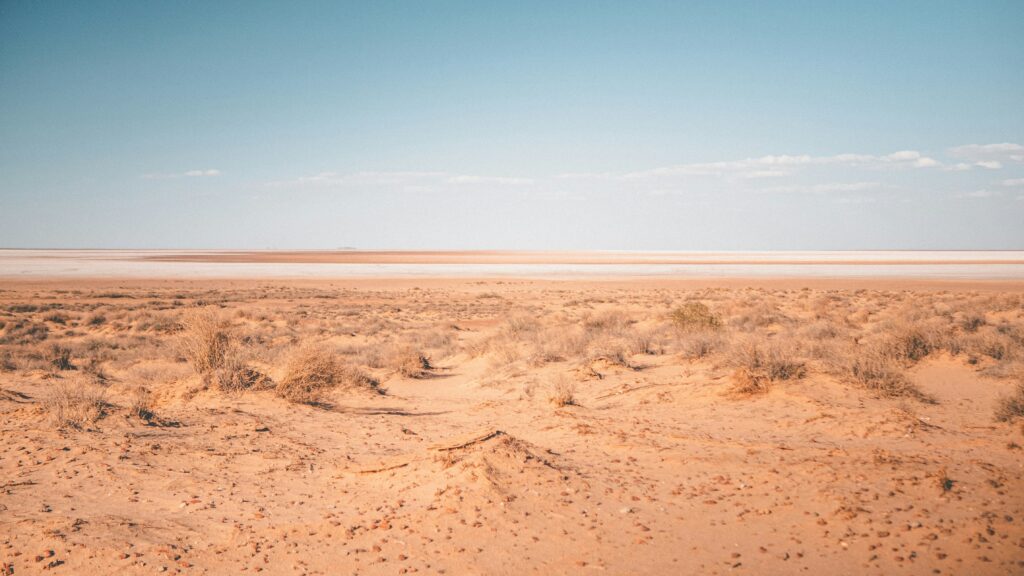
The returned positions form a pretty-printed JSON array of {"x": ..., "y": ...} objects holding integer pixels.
[
  {"x": 60, "y": 357},
  {"x": 757, "y": 315},
  {"x": 563, "y": 392},
  {"x": 877, "y": 369},
  {"x": 612, "y": 351},
  {"x": 7, "y": 362},
  {"x": 23, "y": 332},
  {"x": 912, "y": 341},
  {"x": 650, "y": 342},
  {"x": 557, "y": 343},
  {"x": 313, "y": 370},
  {"x": 759, "y": 367},
  {"x": 519, "y": 325},
  {"x": 695, "y": 316},
  {"x": 234, "y": 375},
  {"x": 96, "y": 319},
  {"x": 992, "y": 343},
  {"x": 75, "y": 403},
  {"x": 971, "y": 321},
  {"x": 409, "y": 362},
  {"x": 1012, "y": 406},
  {"x": 152, "y": 375},
  {"x": 56, "y": 318},
  {"x": 606, "y": 321},
  {"x": 542, "y": 355},
  {"x": 504, "y": 352},
  {"x": 141, "y": 404},
  {"x": 820, "y": 330},
  {"x": 699, "y": 345},
  {"x": 205, "y": 340}
]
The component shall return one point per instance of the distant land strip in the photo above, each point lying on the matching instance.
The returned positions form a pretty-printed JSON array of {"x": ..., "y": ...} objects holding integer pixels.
[{"x": 521, "y": 257}]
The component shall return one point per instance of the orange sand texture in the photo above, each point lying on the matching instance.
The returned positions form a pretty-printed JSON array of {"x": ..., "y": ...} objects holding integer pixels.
[{"x": 520, "y": 427}]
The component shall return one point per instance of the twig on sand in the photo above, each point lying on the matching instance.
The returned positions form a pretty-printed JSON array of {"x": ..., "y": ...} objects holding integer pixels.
[
  {"x": 467, "y": 440},
  {"x": 403, "y": 461},
  {"x": 385, "y": 466},
  {"x": 8, "y": 485}
]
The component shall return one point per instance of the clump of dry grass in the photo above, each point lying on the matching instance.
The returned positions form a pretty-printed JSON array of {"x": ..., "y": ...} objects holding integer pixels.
[
  {"x": 913, "y": 341},
  {"x": 205, "y": 340},
  {"x": 7, "y": 362},
  {"x": 972, "y": 320},
  {"x": 75, "y": 404},
  {"x": 699, "y": 345},
  {"x": 1012, "y": 406},
  {"x": 313, "y": 370},
  {"x": 563, "y": 392},
  {"x": 503, "y": 352},
  {"x": 607, "y": 321},
  {"x": 234, "y": 375},
  {"x": 695, "y": 316},
  {"x": 758, "y": 367},
  {"x": 95, "y": 319},
  {"x": 22, "y": 331},
  {"x": 611, "y": 351},
  {"x": 646, "y": 341},
  {"x": 211, "y": 347},
  {"x": 993, "y": 343},
  {"x": 60, "y": 357},
  {"x": 141, "y": 404},
  {"x": 410, "y": 362},
  {"x": 56, "y": 318},
  {"x": 878, "y": 369}
]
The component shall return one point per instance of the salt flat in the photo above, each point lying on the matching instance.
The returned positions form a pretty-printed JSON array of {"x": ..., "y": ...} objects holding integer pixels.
[{"x": 966, "y": 265}]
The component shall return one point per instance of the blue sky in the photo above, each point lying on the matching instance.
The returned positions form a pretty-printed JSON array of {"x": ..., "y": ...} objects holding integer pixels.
[{"x": 533, "y": 125}]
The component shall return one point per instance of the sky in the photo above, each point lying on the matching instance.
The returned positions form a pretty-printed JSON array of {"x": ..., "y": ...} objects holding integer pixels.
[{"x": 512, "y": 125}]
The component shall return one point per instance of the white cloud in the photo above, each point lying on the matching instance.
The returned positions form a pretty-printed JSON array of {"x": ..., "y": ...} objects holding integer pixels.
[
  {"x": 839, "y": 174},
  {"x": 1014, "y": 182},
  {"x": 980, "y": 194},
  {"x": 188, "y": 173},
  {"x": 855, "y": 200},
  {"x": 1005, "y": 152},
  {"x": 410, "y": 181},
  {"x": 775, "y": 166},
  {"x": 989, "y": 164},
  {"x": 499, "y": 180},
  {"x": 965, "y": 166},
  {"x": 353, "y": 178},
  {"x": 586, "y": 176},
  {"x": 823, "y": 188}
]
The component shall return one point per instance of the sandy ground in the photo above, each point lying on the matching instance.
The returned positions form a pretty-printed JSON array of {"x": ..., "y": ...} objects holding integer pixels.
[{"x": 466, "y": 466}]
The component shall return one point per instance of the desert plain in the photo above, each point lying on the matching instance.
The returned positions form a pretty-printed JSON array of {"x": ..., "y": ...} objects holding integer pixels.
[{"x": 511, "y": 425}]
